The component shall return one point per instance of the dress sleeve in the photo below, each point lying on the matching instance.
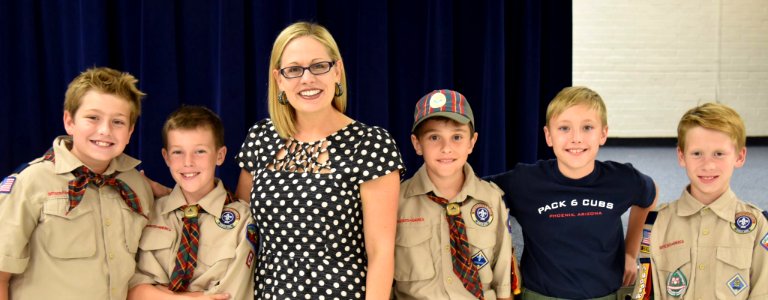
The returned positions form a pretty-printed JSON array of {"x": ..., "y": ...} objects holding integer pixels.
[
  {"x": 377, "y": 155},
  {"x": 249, "y": 157}
]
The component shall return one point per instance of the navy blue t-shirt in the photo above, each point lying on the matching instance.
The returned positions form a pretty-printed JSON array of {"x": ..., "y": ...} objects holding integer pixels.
[{"x": 574, "y": 241}]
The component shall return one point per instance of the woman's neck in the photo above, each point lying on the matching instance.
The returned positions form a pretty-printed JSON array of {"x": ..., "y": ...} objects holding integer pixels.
[{"x": 313, "y": 127}]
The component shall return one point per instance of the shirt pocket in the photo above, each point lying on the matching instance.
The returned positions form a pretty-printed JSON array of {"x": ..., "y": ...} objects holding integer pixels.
[
  {"x": 133, "y": 224},
  {"x": 670, "y": 261},
  {"x": 732, "y": 269},
  {"x": 68, "y": 235},
  {"x": 210, "y": 255},
  {"x": 413, "y": 258},
  {"x": 157, "y": 240},
  {"x": 481, "y": 251}
]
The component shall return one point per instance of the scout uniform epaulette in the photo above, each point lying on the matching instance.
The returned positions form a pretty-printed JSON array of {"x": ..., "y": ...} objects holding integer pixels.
[{"x": 6, "y": 185}]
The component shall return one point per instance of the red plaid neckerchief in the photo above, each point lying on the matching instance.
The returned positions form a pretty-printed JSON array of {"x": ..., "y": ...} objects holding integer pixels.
[
  {"x": 84, "y": 176},
  {"x": 462, "y": 263},
  {"x": 186, "y": 257}
]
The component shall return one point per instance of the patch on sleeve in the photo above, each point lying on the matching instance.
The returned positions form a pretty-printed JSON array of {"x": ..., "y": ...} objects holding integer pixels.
[
  {"x": 7, "y": 185},
  {"x": 645, "y": 243},
  {"x": 764, "y": 241},
  {"x": 479, "y": 260},
  {"x": 249, "y": 259},
  {"x": 252, "y": 236}
]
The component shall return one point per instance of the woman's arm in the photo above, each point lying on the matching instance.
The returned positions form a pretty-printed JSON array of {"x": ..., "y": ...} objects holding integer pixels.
[
  {"x": 379, "y": 224},
  {"x": 244, "y": 185}
]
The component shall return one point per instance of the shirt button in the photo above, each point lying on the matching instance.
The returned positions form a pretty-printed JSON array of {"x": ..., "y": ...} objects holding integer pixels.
[
  {"x": 111, "y": 255},
  {"x": 701, "y": 267},
  {"x": 705, "y": 231},
  {"x": 448, "y": 280},
  {"x": 447, "y": 248},
  {"x": 107, "y": 222}
]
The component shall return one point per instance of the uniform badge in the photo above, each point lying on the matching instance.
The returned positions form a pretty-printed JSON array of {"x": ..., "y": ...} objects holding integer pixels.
[
  {"x": 764, "y": 242},
  {"x": 7, "y": 185},
  {"x": 645, "y": 283},
  {"x": 737, "y": 284},
  {"x": 479, "y": 260},
  {"x": 482, "y": 215},
  {"x": 453, "y": 209},
  {"x": 677, "y": 284},
  {"x": 437, "y": 100},
  {"x": 744, "y": 222},
  {"x": 252, "y": 236},
  {"x": 645, "y": 243},
  {"x": 228, "y": 219}
]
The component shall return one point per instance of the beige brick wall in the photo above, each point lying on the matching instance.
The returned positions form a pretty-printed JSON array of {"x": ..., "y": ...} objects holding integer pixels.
[{"x": 653, "y": 60}]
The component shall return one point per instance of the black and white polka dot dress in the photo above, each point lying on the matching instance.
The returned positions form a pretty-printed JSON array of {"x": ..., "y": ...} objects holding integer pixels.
[{"x": 306, "y": 203}]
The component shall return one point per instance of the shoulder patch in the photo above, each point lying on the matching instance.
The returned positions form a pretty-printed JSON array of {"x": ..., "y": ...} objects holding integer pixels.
[{"x": 6, "y": 186}]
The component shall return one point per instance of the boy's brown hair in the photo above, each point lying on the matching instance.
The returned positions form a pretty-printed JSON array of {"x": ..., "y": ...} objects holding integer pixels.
[
  {"x": 577, "y": 95},
  {"x": 107, "y": 81},
  {"x": 193, "y": 117},
  {"x": 713, "y": 116}
]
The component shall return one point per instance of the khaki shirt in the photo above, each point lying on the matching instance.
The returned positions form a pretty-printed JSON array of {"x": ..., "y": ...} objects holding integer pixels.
[
  {"x": 423, "y": 266},
  {"x": 224, "y": 255},
  {"x": 86, "y": 253},
  {"x": 714, "y": 260}
]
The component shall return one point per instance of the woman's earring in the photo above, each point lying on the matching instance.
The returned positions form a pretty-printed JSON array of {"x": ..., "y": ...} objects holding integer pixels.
[
  {"x": 281, "y": 98},
  {"x": 339, "y": 90}
]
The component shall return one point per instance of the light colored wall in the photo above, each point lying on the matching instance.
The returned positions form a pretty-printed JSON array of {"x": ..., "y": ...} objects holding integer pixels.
[{"x": 653, "y": 60}]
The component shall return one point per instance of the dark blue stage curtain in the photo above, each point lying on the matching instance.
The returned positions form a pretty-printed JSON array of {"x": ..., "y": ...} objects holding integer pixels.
[{"x": 509, "y": 58}]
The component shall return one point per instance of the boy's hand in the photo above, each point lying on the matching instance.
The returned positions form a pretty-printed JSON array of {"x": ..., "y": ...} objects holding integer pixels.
[
  {"x": 630, "y": 270},
  {"x": 158, "y": 190}
]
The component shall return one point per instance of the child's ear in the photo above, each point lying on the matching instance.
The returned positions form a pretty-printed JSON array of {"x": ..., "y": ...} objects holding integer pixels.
[
  {"x": 165, "y": 157},
  {"x": 472, "y": 142},
  {"x": 741, "y": 157},
  {"x": 680, "y": 157},
  {"x": 603, "y": 135},
  {"x": 547, "y": 136},
  {"x": 221, "y": 154},
  {"x": 416, "y": 144},
  {"x": 69, "y": 122}
]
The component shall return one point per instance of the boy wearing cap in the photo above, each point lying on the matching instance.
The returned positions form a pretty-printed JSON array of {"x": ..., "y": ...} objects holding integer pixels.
[
  {"x": 708, "y": 243},
  {"x": 195, "y": 243},
  {"x": 452, "y": 239},
  {"x": 570, "y": 207},
  {"x": 70, "y": 221}
]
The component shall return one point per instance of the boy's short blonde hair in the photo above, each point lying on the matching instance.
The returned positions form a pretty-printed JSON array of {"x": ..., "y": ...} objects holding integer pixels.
[
  {"x": 284, "y": 116},
  {"x": 107, "y": 81},
  {"x": 576, "y": 95},
  {"x": 193, "y": 117},
  {"x": 713, "y": 116}
]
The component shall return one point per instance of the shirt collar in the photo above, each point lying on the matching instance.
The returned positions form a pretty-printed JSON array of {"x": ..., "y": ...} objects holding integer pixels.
[
  {"x": 212, "y": 203},
  {"x": 724, "y": 206},
  {"x": 422, "y": 185},
  {"x": 66, "y": 161}
]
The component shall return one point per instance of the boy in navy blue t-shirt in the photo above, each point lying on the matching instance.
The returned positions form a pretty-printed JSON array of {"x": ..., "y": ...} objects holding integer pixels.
[{"x": 570, "y": 208}]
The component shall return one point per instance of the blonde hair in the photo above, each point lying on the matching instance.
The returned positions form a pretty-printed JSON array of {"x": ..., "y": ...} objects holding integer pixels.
[
  {"x": 194, "y": 117},
  {"x": 284, "y": 116},
  {"x": 577, "y": 95},
  {"x": 107, "y": 81},
  {"x": 713, "y": 116}
]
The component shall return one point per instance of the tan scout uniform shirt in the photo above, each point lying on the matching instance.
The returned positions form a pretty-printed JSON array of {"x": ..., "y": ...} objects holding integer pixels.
[
  {"x": 423, "y": 266},
  {"x": 715, "y": 260},
  {"x": 88, "y": 253},
  {"x": 224, "y": 255}
]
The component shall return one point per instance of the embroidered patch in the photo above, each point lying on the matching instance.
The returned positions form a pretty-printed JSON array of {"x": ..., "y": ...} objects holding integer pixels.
[
  {"x": 252, "y": 236},
  {"x": 249, "y": 259},
  {"x": 645, "y": 243},
  {"x": 737, "y": 284},
  {"x": 482, "y": 215},
  {"x": 764, "y": 242},
  {"x": 228, "y": 219},
  {"x": 7, "y": 185},
  {"x": 645, "y": 267},
  {"x": 479, "y": 260},
  {"x": 677, "y": 284},
  {"x": 744, "y": 222},
  {"x": 437, "y": 100}
]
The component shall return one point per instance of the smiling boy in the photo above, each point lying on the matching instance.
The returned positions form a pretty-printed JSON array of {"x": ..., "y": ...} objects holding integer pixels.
[
  {"x": 709, "y": 243},
  {"x": 70, "y": 221},
  {"x": 570, "y": 208}
]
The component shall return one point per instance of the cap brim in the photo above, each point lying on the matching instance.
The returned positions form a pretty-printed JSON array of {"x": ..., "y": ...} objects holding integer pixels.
[{"x": 450, "y": 115}]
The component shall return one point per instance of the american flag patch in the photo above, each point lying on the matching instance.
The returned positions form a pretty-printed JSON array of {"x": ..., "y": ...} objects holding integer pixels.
[
  {"x": 645, "y": 243},
  {"x": 7, "y": 184}
]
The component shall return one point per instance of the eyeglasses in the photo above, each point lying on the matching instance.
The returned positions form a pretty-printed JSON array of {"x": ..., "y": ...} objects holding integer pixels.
[{"x": 316, "y": 69}]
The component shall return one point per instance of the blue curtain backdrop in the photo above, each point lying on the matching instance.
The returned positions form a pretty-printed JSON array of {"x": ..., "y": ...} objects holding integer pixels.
[{"x": 509, "y": 58}]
